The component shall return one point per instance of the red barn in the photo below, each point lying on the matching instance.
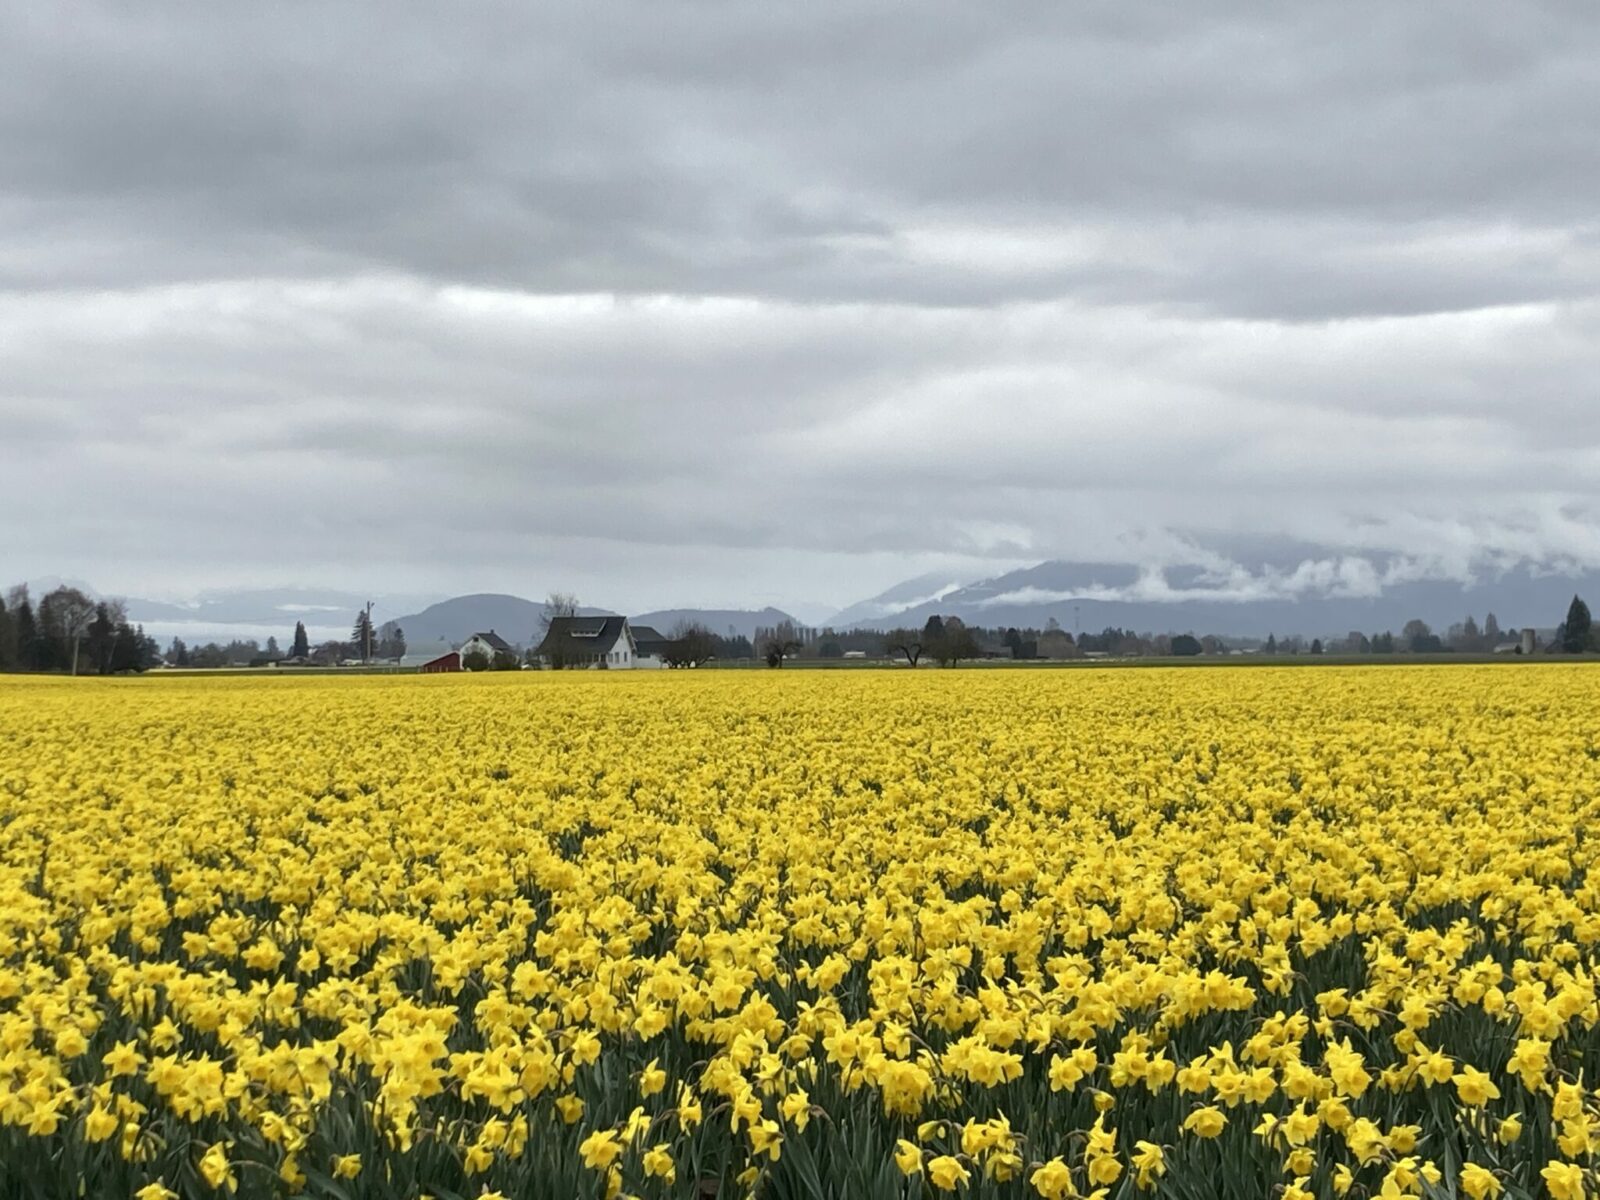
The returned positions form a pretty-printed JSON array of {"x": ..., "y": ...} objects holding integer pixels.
[{"x": 445, "y": 662}]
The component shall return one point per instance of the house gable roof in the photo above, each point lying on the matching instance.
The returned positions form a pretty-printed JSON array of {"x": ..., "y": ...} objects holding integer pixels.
[
  {"x": 573, "y": 637},
  {"x": 494, "y": 641}
]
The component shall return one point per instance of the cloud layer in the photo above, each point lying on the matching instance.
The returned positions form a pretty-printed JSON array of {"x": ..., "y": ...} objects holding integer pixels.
[{"x": 716, "y": 304}]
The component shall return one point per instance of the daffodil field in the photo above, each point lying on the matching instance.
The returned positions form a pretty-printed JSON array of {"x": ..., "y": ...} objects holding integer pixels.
[{"x": 1266, "y": 932}]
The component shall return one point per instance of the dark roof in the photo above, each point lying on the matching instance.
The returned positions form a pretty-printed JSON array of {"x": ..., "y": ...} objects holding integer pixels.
[
  {"x": 569, "y": 637},
  {"x": 646, "y": 633},
  {"x": 495, "y": 641}
]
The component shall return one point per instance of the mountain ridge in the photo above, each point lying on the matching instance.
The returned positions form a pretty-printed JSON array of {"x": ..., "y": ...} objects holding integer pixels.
[
  {"x": 449, "y": 622},
  {"x": 742, "y": 621},
  {"x": 1308, "y": 592},
  {"x": 1315, "y": 598}
]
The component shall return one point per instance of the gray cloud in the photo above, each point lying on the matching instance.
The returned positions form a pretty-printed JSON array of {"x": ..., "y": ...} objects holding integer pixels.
[{"x": 703, "y": 303}]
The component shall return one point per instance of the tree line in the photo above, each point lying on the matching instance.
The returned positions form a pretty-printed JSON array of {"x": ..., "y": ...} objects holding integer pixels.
[
  {"x": 947, "y": 640},
  {"x": 386, "y": 643},
  {"x": 68, "y": 631}
]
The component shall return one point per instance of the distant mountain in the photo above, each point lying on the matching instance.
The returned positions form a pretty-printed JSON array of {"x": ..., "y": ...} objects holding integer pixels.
[
  {"x": 268, "y": 605},
  {"x": 742, "y": 621},
  {"x": 924, "y": 589},
  {"x": 430, "y": 624},
  {"x": 450, "y": 622},
  {"x": 1315, "y": 598},
  {"x": 259, "y": 613}
]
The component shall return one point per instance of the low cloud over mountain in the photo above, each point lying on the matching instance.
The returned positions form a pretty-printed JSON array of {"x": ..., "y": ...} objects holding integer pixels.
[{"x": 1315, "y": 596}]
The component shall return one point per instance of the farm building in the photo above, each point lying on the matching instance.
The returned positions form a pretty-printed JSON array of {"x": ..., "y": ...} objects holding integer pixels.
[
  {"x": 445, "y": 662},
  {"x": 651, "y": 649},
  {"x": 590, "y": 642}
]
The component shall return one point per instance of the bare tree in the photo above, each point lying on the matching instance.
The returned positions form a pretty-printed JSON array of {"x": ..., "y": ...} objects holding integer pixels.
[
  {"x": 780, "y": 643},
  {"x": 66, "y": 613},
  {"x": 692, "y": 644},
  {"x": 557, "y": 604},
  {"x": 954, "y": 643},
  {"x": 904, "y": 641}
]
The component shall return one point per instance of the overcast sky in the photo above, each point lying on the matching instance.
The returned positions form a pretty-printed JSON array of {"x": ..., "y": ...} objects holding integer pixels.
[{"x": 732, "y": 303}]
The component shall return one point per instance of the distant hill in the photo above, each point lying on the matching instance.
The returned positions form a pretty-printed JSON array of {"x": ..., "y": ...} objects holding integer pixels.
[
  {"x": 225, "y": 614},
  {"x": 256, "y": 606},
  {"x": 450, "y": 622},
  {"x": 440, "y": 625},
  {"x": 1322, "y": 598},
  {"x": 742, "y": 621}
]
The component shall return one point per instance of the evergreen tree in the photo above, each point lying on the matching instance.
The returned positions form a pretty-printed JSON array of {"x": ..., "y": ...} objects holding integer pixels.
[
  {"x": 29, "y": 649},
  {"x": 1272, "y": 645},
  {"x": 1186, "y": 645},
  {"x": 272, "y": 648},
  {"x": 393, "y": 643},
  {"x": 178, "y": 653},
  {"x": 1575, "y": 632},
  {"x": 101, "y": 640},
  {"x": 362, "y": 637},
  {"x": 1491, "y": 631},
  {"x": 127, "y": 650},
  {"x": 149, "y": 650},
  {"x": 302, "y": 643},
  {"x": 8, "y": 649}
]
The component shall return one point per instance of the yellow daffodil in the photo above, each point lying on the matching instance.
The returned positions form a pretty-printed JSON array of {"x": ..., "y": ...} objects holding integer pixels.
[
  {"x": 946, "y": 1173},
  {"x": 453, "y": 911},
  {"x": 600, "y": 1149},
  {"x": 1206, "y": 1122},
  {"x": 908, "y": 1157},
  {"x": 1480, "y": 1183},
  {"x": 1053, "y": 1180}
]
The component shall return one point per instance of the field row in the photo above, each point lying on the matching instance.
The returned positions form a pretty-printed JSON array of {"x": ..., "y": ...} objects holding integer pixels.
[{"x": 1279, "y": 932}]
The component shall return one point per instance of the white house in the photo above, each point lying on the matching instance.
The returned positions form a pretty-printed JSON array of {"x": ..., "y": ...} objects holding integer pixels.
[
  {"x": 488, "y": 644},
  {"x": 590, "y": 642}
]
